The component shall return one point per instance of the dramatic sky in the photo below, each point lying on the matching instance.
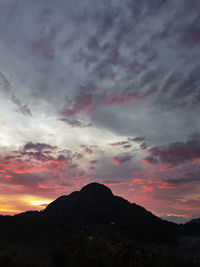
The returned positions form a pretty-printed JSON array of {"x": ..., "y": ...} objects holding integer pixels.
[{"x": 104, "y": 91}]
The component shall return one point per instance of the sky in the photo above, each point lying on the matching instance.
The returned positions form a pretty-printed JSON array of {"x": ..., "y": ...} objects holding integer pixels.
[{"x": 100, "y": 91}]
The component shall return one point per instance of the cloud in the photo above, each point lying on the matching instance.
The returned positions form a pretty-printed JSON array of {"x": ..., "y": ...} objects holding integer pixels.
[
  {"x": 166, "y": 184},
  {"x": 96, "y": 61},
  {"x": 122, "y": 143},
  {"x": 151, "y": 159},
  {"x": 175, "y": 154},
  {"x": 194, "y": 35},
  {"x": 110, "y": 74},
  {"x": 23, "y": 109},
  {"x": 114, "y": 183},
  {"x": 76, "y": 122},
  {"x": 4, "y": 83},
  {"x": 114, "y": 99},
  {"x": 82, "y": 105},
  {"x": 6, "y": 87},
  {"x": 120, "y": 159},
  {"x": 144, "y": 146},
  {"x": 138, "y": 139},
  {"x": 40, "y": 163},
  {"x": 191, "y": 204},
  {"x": 38, "y": 146},
  {"x": 88, "y": 150},
  {"x": 93, "y": 161},
  {"x": 148, "y": 188}
]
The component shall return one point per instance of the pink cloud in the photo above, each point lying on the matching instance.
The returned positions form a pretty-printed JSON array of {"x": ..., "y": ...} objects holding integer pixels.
[
  {"x": 148, "y": 188},
  {"x": 88, "y": 151},
  {"x": 118, "y": 160},
  {"x": 114, "y": 183},
  {"x": 137, "y": 181},
  {"x": 83, "y": 105},
  {"x": 114, "y": 99},
  {"x": 115, "y": 161},
  {"x": 118, "y": 99},
  {"x": 191, "y": 204},
  {"x": 173, "y": 154}
]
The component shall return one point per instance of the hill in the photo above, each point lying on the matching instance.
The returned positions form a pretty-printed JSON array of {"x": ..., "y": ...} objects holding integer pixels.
[
  {"x": 96, "y": 207},
  {"x": 92, "y": 227}
]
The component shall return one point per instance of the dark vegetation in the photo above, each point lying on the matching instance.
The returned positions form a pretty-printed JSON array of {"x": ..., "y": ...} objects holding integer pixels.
[{"x": 93, "y": 227}]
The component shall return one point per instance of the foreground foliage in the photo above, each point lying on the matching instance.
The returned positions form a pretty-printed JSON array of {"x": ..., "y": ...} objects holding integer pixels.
[{"x": 83, "y": 250}]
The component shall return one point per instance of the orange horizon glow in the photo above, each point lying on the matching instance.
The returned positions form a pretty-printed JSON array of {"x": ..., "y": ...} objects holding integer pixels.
[{"x": 23, "y": 203}]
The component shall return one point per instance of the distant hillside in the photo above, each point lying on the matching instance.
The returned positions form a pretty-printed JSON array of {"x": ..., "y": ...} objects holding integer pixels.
[{"x": 197, "y": 221}]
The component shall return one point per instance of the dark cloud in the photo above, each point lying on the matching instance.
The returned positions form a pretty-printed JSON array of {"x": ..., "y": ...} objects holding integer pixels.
[
  {"x": 121, "y": 158},
  {"x": 127, "y": 146},
  {"x": 83, "y": 104},
  {"x": 61, "y": 157},
  {"x": 185, "y": 178},
  {"x": 4, "y": 83},
  {"x": 175, "y": 154},
  {"x": 151, "y": 159},
  {"x": 6, "y": 86},
  {"x": 137, "y": 139},
  {"x": 38, "y": 146},
  {"x": 122, "y": 143},
  {"x": 77, "y": 156},
  {"x": 27, "y": 180},
  {"x": 144, "y": 146},
  {"x": 75, "y": 122},
  {"x": 23, "y": 109}
]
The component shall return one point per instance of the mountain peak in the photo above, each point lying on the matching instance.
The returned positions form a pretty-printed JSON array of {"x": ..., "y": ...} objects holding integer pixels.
[
  {"x": 96, "y": 188},
  {"x": 90, "y": 195}
]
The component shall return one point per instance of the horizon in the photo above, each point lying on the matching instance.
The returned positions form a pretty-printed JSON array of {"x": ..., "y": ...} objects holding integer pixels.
[
  {"x": 45, "y": 205},
  {"x": 104, "y": 91}
]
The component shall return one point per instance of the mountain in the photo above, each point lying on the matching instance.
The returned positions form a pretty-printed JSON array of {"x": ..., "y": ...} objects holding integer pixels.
[
  {"x": 96, "y": 207},
  {"x": 197, "y": 221},
  {"x": 93, "y": 227},
  {"x": 192, "y": 228}
]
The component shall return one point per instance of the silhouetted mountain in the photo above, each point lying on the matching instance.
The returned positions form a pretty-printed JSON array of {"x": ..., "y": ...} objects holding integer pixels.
[
  {"x": 192, "y": 227},
  {"x": 197, "y": 221},
  {"x": 96, "y": 206},
  {"x": 93, "y": 227}
]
